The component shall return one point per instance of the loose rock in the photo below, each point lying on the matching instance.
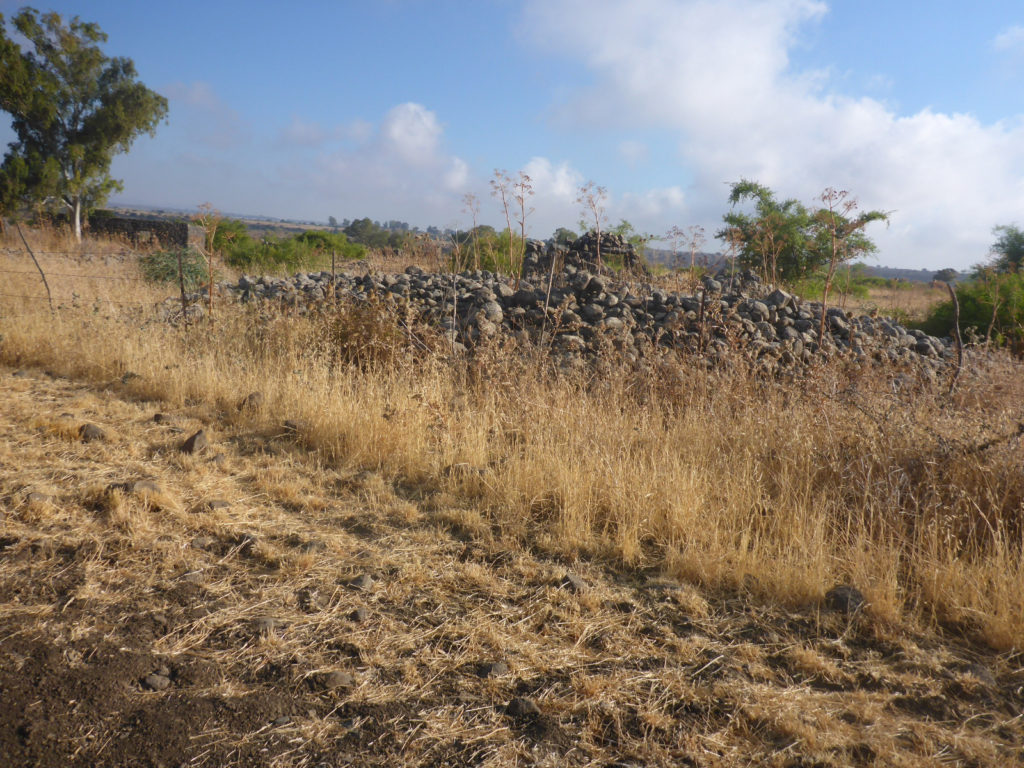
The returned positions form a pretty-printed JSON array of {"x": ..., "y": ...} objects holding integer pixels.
[
  {"x": 195, "y": 443},
  {"x": 156, "y": 682},
  {"x": 522, "y": 707},
  {"x": 494, "y": 669},
  {"x": 251, "y": 402},
  {"x": 573, "y": 583},
  {"x": 844, "y": 598},
  {"x": 90, "y": 432},
  {"x": 363, "y": 582}
]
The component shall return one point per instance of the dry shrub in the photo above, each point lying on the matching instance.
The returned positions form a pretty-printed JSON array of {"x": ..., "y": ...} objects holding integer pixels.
[{"x": 369, "y": 334}]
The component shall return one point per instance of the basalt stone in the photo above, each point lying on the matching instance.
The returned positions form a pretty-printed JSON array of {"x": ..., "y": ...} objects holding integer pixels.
[
  {"x": 584, "y": 298},
  {"x": 493, "y": 312},
  {"x": 592, "y": 313},
  {"x": 90, "y": 432},
  {"x": 251, "y": 402},
  {"x": 844, "y": 599},
  {"x": 196, "y": 443},
  {"x": 779, "y": 298},
  {"x": 522, "y": 707}
]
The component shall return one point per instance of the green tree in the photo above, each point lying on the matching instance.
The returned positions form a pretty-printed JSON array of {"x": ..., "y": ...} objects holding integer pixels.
[
  {"x": 629, "y": 233},
  {"x": 564, "y": 236},
  {"x": 1008, "y": 248},
  {"x": 947, "y": 275},
  {"x": 772, "y": 240},
  {"x": 73, "y": 109},
  {"x": 230, "y": 233},
  {"x": 837, "y": 237}
]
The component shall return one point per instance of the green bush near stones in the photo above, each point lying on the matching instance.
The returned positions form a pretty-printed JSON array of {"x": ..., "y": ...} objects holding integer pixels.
[
  {"x": 989, "y": 300},
  {"x": 162, "y": 267}
]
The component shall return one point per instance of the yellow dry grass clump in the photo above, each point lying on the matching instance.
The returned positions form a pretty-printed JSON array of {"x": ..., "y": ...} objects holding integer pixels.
[{"x": 723, "y": 483}]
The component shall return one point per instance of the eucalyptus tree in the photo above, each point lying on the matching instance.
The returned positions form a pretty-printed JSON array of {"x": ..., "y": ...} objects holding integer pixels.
[{"x": 73, "y": 109}]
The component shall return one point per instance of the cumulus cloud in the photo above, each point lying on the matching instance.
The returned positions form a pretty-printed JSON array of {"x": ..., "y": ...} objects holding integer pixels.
[
  {"x": 718, "y": 76},
  {"x": 397, "y": 167},
  {"x": 633, "y": 152},
  {"x": 555, "y": 189},
  {"x": 304, "y": 133},
  {"x": 654, "y": 205},
  {"x": 1010, "y": 39},
  {"x": 412, "y": 132}
]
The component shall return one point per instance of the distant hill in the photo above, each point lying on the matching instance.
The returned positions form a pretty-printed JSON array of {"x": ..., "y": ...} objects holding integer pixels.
[
  {"x": 715, "y": 261},
  {"x": 910, "y": 275}
]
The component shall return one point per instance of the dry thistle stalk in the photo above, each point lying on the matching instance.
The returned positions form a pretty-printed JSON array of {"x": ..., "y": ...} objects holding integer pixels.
[{"x": 592, "y": 198}]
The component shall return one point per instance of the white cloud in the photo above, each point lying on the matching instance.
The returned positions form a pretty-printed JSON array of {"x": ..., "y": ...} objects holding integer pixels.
[
  {"x": 654, "y": 206},
  {"x": 304, "y": 133},
  {"x": 357, "y": 130},
  {"x": 195, "y": 94},
  {"x": 633, "y": 152},
  {"x": 457, "y": 176},
  {"x": 555, "y": 189},
  {"x": 395, "y": 169},
  {"x": 1010, "y": 39},
  {"x": 717, "y": 75},
  {"x": 412, "y": 132}
]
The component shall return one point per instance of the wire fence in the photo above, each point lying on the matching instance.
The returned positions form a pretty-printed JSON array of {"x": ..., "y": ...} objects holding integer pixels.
[
  {"x": 72, "y": 274},
  {"x": 104, "y": 300},
  {"x": 16, "y": 283}
]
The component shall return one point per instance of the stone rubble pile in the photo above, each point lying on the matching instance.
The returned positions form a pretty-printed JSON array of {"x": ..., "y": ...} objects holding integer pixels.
[
  {"x": 583, "y": 254},
  {"x": 581, "y": 314}
]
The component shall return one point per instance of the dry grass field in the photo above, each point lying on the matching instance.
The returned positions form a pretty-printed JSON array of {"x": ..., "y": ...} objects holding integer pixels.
[{"x": 395, "y": 558}]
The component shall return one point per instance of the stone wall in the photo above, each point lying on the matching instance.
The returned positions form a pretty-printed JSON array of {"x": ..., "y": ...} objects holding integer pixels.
[{"x": 139, "y": 231}]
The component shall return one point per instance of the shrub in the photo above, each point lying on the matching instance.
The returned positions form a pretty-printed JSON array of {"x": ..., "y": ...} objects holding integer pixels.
[
  {"x": 813, "y": 287},
  {"x": 311, "y": 249},
  {"x": 990, "y": 299},
  {"x": 162, "y": 267}
]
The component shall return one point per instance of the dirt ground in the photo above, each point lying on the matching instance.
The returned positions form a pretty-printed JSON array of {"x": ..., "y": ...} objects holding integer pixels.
[{"x": 245, "y": 605}]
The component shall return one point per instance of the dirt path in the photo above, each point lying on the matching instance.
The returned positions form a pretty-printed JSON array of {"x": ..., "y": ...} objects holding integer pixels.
[{"x": 243, "y": 605}]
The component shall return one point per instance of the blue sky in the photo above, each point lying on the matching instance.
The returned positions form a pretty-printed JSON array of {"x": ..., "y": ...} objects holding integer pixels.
[{"x": 397, "y": 109}]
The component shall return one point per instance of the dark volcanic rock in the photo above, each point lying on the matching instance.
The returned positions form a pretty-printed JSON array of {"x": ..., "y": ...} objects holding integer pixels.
[
  {"x": 195, "y": 443},
  {"x": 580, "y": 311},
  {"x": 844, "y": 598},
  {"x": 90, "y": 432}
]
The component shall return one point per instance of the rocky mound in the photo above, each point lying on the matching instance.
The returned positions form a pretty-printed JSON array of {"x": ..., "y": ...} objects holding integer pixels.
[
  {"x": 579, "y": 313},
  {"x": 584, "y": 254}
]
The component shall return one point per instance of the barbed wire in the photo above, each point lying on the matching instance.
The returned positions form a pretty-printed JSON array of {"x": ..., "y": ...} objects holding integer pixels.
[
  {"x": 19, "y": 251},
  {"x": 70, "y": 274},
  {"x": 88, "y": 301}
]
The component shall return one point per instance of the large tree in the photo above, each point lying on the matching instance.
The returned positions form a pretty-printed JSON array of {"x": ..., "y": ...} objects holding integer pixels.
[
  {"x": 1008, "y": 248},
  {"x": 772, "y": 239},
  {"x": 73, "y": 109}
]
